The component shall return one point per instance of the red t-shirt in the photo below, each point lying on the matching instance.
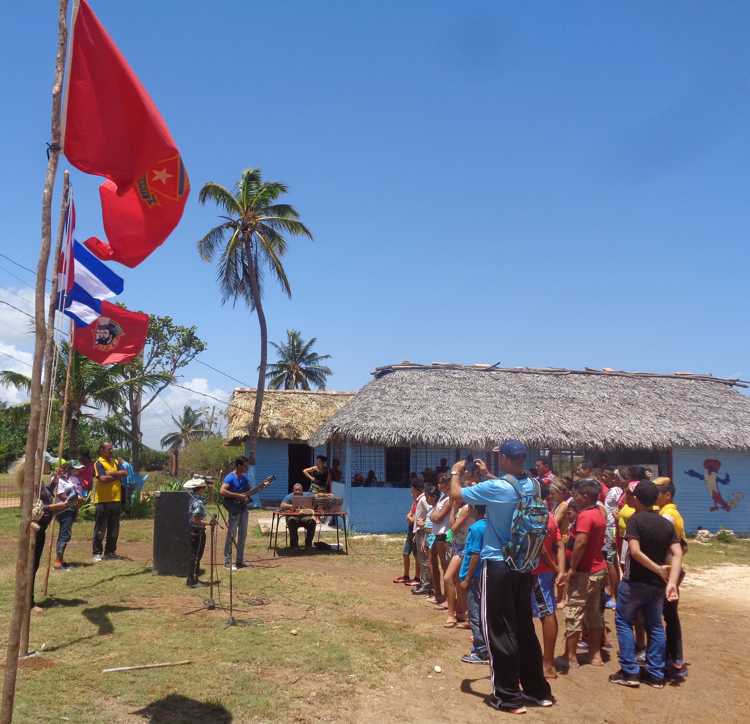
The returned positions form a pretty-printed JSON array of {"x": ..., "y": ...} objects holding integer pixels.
[
  {"x": 551, "y": 541},
  {"x": 593, "y": 522},
  {"x": 603, "y": 490}
]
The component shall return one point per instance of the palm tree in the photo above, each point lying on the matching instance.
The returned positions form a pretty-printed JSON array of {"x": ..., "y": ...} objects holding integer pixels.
[
  {"x": 190, "y": 426},
  {"x": 298, "y": 366},
  {"x": 92, "y": 387},
  {"x": 251, "y": 239}
]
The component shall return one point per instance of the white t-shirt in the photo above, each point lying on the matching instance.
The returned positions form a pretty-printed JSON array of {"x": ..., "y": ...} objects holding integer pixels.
[
  {"x": 422, "y": 511},
  {"x": 440, "y": 527},
  {"x": 67, "y": 489}
]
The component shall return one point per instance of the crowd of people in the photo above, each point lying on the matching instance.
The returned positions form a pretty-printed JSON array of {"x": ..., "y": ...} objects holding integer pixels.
[{"x": 496, "y": 552}]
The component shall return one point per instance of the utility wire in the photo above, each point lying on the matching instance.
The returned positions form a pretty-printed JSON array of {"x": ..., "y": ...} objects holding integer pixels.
[{"x": 16, "y": 359}]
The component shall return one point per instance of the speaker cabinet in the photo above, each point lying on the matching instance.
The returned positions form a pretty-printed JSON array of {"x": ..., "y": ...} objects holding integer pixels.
[{"x": 171, "y": 534}]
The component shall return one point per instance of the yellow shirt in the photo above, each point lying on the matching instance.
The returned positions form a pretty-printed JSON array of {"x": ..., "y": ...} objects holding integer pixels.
[
  {"x": 626, "y": 513},
  {"x": 670, "y": 512},
  {"x": 106, "y": 492}
]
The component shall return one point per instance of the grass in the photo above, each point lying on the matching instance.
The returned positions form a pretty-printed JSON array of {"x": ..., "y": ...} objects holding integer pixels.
[{"x": 119, "y": 614}]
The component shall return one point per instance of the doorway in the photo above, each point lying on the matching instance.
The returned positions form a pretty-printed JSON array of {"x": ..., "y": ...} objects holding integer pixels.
[{"x": 300, "y": 457}]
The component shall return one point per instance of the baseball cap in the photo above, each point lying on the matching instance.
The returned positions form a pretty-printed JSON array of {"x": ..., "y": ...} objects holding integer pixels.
[
  {"x": 512, "y": 448},
  {"x": 76, "y": 464},
  {"x": 646, "y": 492},
  {"x": 659, "y": 482}
]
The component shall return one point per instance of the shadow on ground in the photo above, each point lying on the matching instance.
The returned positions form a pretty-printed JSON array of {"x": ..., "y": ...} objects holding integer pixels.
[{"x": 177, "y": 709}]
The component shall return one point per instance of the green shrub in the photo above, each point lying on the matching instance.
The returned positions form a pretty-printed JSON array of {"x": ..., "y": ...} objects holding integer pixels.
[{"x": 208, "y": 457}]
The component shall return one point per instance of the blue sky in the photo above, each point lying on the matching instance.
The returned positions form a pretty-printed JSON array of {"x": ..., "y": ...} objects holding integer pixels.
[{"x": 543, "y": 184}]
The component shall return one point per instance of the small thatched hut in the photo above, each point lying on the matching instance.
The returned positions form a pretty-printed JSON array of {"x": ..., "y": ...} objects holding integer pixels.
[
  {"x": 288, "y": 420},
  {"x": 410, "y": 416}
]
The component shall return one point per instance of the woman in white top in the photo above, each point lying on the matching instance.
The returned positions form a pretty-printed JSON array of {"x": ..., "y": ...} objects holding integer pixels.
[{"x": 441, "y": 520}]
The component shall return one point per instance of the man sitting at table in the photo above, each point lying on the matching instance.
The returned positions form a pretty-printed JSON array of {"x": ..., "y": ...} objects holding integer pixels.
[{"x": 293, "y": 523}]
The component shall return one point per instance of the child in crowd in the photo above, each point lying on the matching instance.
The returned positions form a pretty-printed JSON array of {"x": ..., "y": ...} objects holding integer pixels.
[
  {"x": 645, "y": 583},
  {"x": 441, "y": 549},
  {"x": 586, "y": 574},
  {"x": 67, "y": 492},
  {"x": 462, "y": 518},
  {"x": 409, "y": 548},
  {"x": 421, "y": 517},
  {"x": 676, "y": 668},
  {"x": 549, "y": 575},
  {"x": 434, "y": 496},
  {"x": 470, "y": 581}
]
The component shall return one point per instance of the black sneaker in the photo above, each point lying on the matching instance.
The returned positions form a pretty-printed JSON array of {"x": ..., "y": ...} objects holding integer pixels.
[
  {"x": 623, "y": 679},
  {"x": 495, "y": 703},
  {"x": 652, "y": 681}
]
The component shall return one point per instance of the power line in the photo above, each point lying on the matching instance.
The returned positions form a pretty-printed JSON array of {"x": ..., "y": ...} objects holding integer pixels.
[
  {"x": 25, "y": 268},
  {"x": 212, "y": 397},
  {"x": 30, "y": 316},
  {"x": 16, "y": 359},
  {"x": 13, "y": 274},
  {"x": 216, "y": 369}
]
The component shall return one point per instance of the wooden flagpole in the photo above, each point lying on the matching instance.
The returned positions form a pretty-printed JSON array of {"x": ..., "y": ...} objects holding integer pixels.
[
  {"x": 22, "y": 599},
  {"x": 50, "y": 371}
]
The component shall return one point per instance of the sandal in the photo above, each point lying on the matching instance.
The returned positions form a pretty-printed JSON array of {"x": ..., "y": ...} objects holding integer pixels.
[
  {"x": 450, "y": 623},
  {"x": 402, "y": 579}
]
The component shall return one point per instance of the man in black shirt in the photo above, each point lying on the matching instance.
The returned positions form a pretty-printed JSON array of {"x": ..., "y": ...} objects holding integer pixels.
[{"x": 651, "y": 539}]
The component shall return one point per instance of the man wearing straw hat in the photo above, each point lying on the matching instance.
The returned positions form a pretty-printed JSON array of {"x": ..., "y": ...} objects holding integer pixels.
[{"x": 197, "y": 521}]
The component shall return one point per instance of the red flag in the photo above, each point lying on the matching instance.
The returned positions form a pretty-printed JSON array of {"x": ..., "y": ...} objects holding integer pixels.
[
  {"x": 118, "y": 335},
  {"x": 113, "y": 129}
]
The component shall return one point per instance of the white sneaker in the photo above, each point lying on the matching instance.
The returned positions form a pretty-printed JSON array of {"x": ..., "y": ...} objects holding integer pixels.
[{"x": 97, "y": 558}]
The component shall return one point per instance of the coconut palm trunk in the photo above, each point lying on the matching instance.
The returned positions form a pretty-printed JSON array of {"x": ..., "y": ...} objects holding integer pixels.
[{"x": 252, "y": 441}]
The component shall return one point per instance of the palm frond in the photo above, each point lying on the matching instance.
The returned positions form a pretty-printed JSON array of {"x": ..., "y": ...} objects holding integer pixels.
[
  {"x": 208, "y": 245},
  {"x": 221, "y": 196},
  {"x": 21, "y": 382}
]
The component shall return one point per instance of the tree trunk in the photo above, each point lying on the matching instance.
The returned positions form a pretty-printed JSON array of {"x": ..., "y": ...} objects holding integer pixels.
[
  {"x": 135, "y": 399},
  {"x": 252, "y": 441},
  {"x": 21, "y": 599}
]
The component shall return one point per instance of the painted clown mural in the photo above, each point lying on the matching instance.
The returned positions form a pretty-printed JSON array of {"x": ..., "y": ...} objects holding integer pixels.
[{"x": 722, "y": 498}]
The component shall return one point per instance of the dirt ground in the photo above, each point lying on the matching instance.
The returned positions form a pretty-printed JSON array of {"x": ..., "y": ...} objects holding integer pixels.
[
  {"x": 715, "y": 611},
  {"x": 715, "y": 614}
]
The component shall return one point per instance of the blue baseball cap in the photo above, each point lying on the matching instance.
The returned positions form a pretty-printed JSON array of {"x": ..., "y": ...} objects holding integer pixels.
[{"x": 512, "y": 448}]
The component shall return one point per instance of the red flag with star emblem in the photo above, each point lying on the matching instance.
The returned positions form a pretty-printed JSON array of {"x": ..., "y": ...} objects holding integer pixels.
[{"x": 113, "y": 129}]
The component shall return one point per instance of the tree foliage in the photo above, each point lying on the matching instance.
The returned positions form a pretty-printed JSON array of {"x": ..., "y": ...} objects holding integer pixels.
[{"x": 297, "y": 366}]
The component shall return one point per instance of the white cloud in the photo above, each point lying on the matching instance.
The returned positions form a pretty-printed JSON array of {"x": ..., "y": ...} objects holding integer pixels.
[
  {"x": 157, "y": 420},
  {"x": 16, "y": 327},
  {"x": 15, "y": 360}
]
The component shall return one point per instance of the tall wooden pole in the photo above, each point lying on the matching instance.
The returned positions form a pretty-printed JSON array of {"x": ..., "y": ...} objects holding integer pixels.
[
  {"x": 50, "y": 372},
  {"x": 22, "y": 599}
]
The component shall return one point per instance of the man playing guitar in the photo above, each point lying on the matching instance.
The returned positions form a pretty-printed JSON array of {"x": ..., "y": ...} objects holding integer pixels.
[{"x": 236, "y": 492}]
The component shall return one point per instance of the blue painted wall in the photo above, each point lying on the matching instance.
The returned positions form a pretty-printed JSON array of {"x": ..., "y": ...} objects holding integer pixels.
[
  {"x": 378, "y": 510},
  {"x": 273, "y": 459},
  {"x": 695, "y": 502}
]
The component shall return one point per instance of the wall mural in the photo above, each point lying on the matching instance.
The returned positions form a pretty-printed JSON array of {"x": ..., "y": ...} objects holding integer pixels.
[{"x": 710, "y": 476}]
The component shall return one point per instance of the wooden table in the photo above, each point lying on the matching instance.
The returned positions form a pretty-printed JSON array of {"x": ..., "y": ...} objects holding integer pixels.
[{"x": 277, "y": 515}]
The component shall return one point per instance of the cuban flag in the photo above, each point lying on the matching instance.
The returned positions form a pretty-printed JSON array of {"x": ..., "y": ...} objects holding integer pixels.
[{"x": 92, "y": 281}]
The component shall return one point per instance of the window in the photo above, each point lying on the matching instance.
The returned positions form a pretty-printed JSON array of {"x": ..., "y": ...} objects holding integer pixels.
[{"x": 397, "y": 461}]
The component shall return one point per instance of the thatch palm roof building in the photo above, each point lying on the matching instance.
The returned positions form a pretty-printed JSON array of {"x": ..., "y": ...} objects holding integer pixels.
[
  {"x": 288, "y": 420},
  {"x": 674, "y": 422}
]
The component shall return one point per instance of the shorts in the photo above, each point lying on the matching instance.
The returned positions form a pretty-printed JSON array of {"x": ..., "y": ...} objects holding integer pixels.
[
  {"x": 543, "y": 601},
  {"x": 584, "y": 602},
  {"x": 458, "y": 549},
  {"x": 409, "y": 543},
  {"x": 430, "y": 540},
  {"x": 441, "y": 537}
]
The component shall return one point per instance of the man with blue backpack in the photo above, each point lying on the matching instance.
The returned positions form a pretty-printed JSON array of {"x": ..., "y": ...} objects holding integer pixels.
[{"x": 516, "y": 527}]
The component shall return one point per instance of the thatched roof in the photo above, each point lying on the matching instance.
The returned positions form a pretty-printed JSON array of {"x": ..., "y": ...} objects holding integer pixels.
[
  {"x": 457, "y": 406},
  {"x": 286, "y": 415}
]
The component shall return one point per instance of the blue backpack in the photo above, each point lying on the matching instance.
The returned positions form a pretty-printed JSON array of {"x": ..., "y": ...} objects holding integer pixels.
[{"x": 528, "y": 528}]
